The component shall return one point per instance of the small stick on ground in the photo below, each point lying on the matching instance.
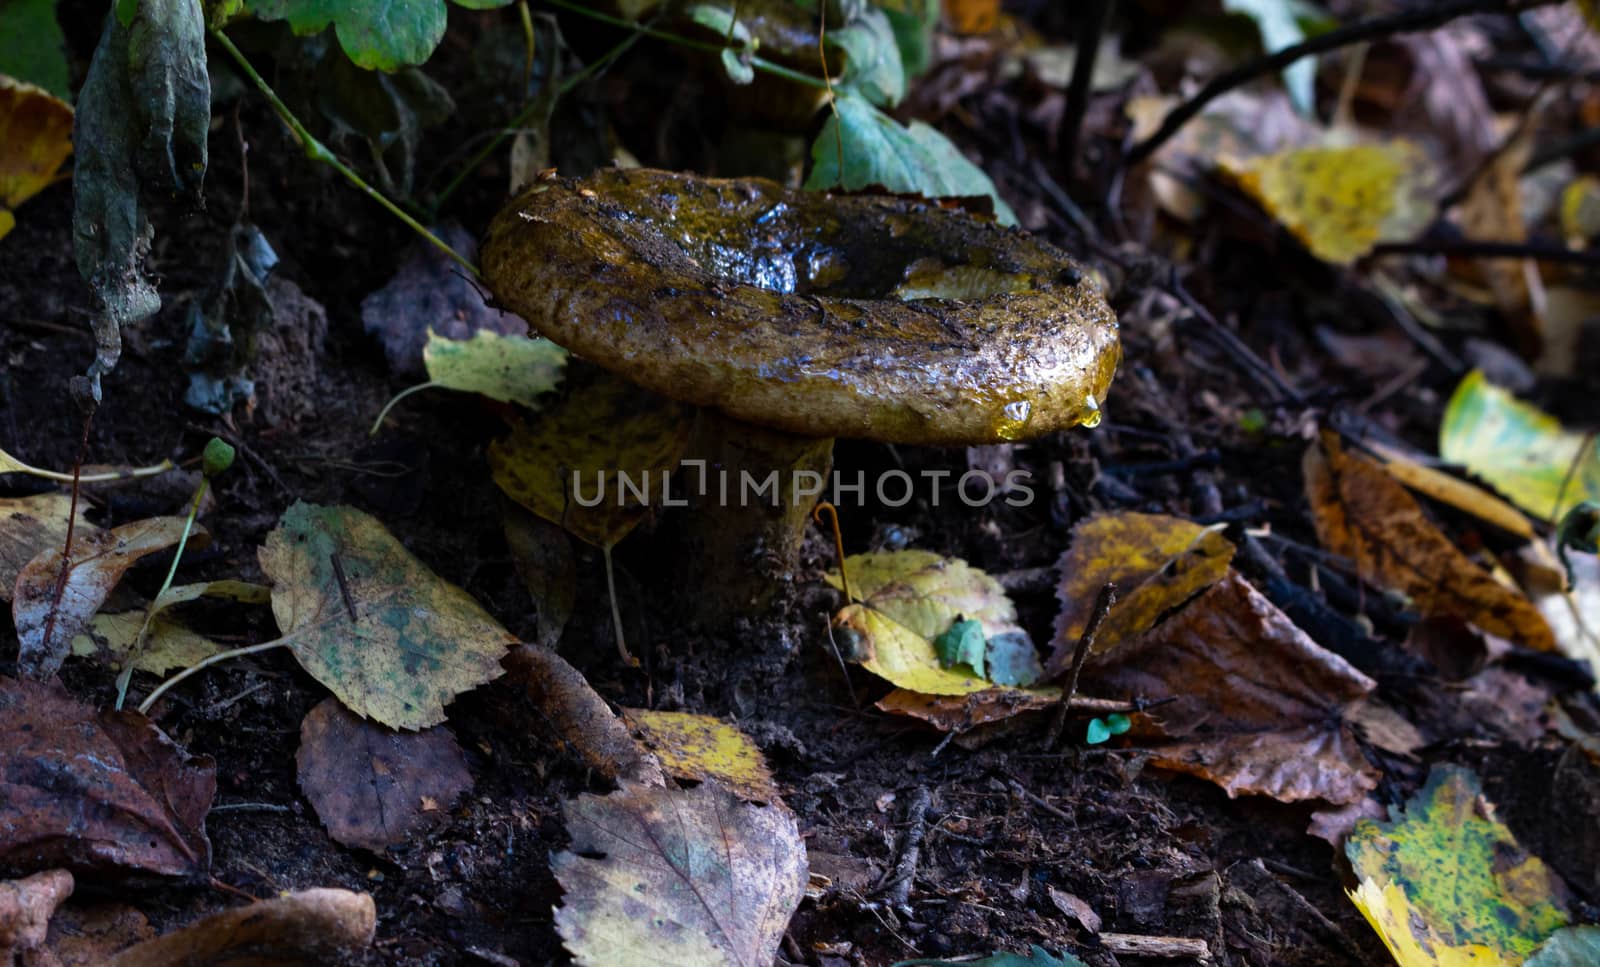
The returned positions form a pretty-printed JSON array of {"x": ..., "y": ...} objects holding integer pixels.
[
  {"x": 1134, "y": 945},
  {"x": 1097, "y": 617},
  {"x": 896, "y": 890}
]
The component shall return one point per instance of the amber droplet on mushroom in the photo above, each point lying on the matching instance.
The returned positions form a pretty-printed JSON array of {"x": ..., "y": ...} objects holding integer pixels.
[{"x": 796, "y": 317}]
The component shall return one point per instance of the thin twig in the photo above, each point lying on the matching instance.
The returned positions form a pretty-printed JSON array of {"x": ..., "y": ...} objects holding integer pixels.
[
  {"x": 897, "y": 889},
  {"x": 1472, "y": 248},
  {"x": 1424, "y": 17},
  {"x": 1094, "y": 15},
  {"x": 1097, "y": 617}
]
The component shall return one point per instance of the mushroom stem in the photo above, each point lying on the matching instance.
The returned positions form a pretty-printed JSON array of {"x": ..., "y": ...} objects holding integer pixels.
[{"x": 747, "y": 520}]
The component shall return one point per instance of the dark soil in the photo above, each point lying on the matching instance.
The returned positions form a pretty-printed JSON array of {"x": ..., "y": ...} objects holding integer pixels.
[{"x": 1010, "y": 822}]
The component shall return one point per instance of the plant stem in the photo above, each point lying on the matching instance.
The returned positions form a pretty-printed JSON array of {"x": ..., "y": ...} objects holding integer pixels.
[
  {"x": 616, "y": 610},
  {"x": 222, "y": 656},
  {"x": 150, "y": 609},
  {"x": 317, "y": 151},
  {"x": 376, "y": 424},
  {"x": 10, "y": 464}
]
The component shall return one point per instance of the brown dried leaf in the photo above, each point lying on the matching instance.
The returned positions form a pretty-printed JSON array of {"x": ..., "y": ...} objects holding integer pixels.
[
  {"x": 580, "y": 717},
  {"x": 304, "y": 927},
  {"x": 542, "y": 553},
  {"x": 1256, "y": 704},
  {"x": 959, "y": 713},
  {"x": 1157, "y": 562},
  {"x": 371, "y": 786},
  {"x": 678, "y": 876},
  {"x": 1364, "y": 514},
  {"x": 47, "y": 622},
  {"x": 26, "y": 907},
  {"x": 97, "y": 791},
  {"x": 90, "y": 936},
  {"x": 1492, "y": 212},
  {"x": 28, "y": 526}
]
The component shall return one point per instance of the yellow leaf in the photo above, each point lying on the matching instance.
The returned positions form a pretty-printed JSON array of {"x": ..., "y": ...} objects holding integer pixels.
[
  {"x": 35, "y": 138},
  {"x": 1454, "y": 491},
  {"x": 576, "y": 450},
  {"x": 29, "y": 525},
  {"x": 1445, "y": 883},
  {"x": 511, "y": 369},
  {"x": 168, "y": 644},
  {"x": 1524, "y": 452},
  {"x": 702, "y": 747},
  {"x": 1339, "y": 201}
]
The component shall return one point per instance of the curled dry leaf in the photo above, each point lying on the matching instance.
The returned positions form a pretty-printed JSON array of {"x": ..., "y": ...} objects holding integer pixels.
[
  {"x": 1157, "y": 562},
  {"x": 35, "y": 139},
  {"x": 580, "y": 717},
  {"x": 678, "y": 876},
  {"x": 371, "y": 786},
  {"x": 1364, "y": 514},
  {"x": 1445, "y": 882},
  {"x": 94, "y": 792},
  {"x": 28, "y": 527},
  {"x": 394, "y": 641},
  {"x": 304, "y": 927},
  {"x": 702, "y": 747},
  {"x": 47, "y": 621},
  {"x": 26, "y": 907},
  {"x": 1257, "y": 706}
]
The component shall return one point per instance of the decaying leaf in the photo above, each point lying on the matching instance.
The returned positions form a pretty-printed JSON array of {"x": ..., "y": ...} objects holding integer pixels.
[
  {"x": 566, "y": 464},
  {"x": 1522, "y": 451},
  {"x": 581, "y": 718},
  {"x": 97, "y": 792},
  {"x": 1444, "y": 882},
  {"x": 28, "y": 527},
  {"x": 109, "y": 639},
  {"x": 508, "y": 368},
  {"x": 1339, "y": 201},
  {"x": 1257, "y": 706},
  {"x": 35, "y": 140},
  {"x": 26, "y": 906},
  {"x": 1491, "y": 211},
  {"x": 1456, "y": 492},
  {"x": 1157, "y": 562},
  {"x": 703, "y": 747},
  {"x": 542, "y": 553},
  {"x": 89, "y": 936},
  {"x": 908, "y": 598},
  {"x": 1366, "y": 515},
  {"x": 677, "y": 876},
  {"x": 371, "y": 786},
  {"x": 323, "y": 926},
  {"x": 47, "y": 621},
  {"x": 394, "y": 641},
  {"x": 958, "y": 713}
]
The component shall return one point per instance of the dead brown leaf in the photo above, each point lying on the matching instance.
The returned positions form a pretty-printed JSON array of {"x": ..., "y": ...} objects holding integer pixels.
[
  {"x": 580, "y": 718},
  {"x": 678, "y": 876},
  {"x": 90, "y": 936},
  {"x": 47, "y": 621},
  {"x": 1363, "y": 514},
  {"x": 304, "y": 927},
  {"x": 91, "y": 791},
  {"x": 372, "y": 786},
  {"x": 542, "y": 553},
  {"x": 26, "y": 907},
  {"x": 1492, "y": 212},
  {"x": 1257, "y": 706}
]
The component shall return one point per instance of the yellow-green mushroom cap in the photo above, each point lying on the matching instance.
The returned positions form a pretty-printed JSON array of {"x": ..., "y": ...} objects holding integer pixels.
[{"x": 878, "y": 318}]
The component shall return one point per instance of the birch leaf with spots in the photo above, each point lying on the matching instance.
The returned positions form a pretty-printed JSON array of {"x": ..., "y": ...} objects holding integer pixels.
[
  {"x": 415, "y": 640},
  {"x": 701, "y": 747},
  {"x": 678, "y": 876},
  {"x": 1445, "y": 883},
  {"x": 511, "y": 369}
]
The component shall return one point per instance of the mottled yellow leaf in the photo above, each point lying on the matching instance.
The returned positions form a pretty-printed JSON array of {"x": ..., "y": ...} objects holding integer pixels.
[
  {"x": 1524, "y": 452},
  {"x": 575, "y": 451},
  {"x": 702, "y": 747},
  {"x": 29, "y": 525},
  {"x": 394, "y": 641},
  {"x": 167, "y": 645},
  {"x": 1339, "y": 201},
  {"x": 35, "y": 138},
  {"x": 1445, "y": 883}
]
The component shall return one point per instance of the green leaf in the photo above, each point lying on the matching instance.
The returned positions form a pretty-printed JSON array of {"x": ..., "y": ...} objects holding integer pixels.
[
  {"x": 1097, "y": 732},
  {"x": 872, "y": 65},
  {"x": 860, "y": 148},
  {"x": 390, "y": 638},
  {"x": 1568, "y": 947},
  {"x": 1118, "y": 723},
  {"x": 511, "y": 369},
  {"x": 32, "y": 46},
  {"x": 375, "y": 34},
  {"x": 1037, "y": 957},
  {"x": 1279, "y": 22},
  {"x": 962, "y": 644},
  {"x": 914, "y": 22}
]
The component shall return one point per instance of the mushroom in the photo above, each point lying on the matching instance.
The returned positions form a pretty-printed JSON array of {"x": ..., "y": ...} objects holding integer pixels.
[{"x": 793, "y": 318}]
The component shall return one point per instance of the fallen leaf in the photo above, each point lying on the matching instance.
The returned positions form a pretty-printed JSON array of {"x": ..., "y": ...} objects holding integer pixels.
[
  {"x": 1574, "y": 614},
  {"x": 565, "y": 464},
  {"x": 1157, "y": 562},
  {"x": 1519, "y": 449},
  {"x": 1338, "y": 201},
  {"x": 414, "y": 642},
  {"x": 90, "y": 936},
  {"x": 370, "y": 785},
  {"x": 26, "y": 906},
  {"x": 542, "y": 553},
  {"x": 508, "y": 368},
  {"x": 1575, "y": 946},
  {"x": 1458, "y": 493},
  {"x": 1365, "y": 515},
  {"x": 47, "y": 621},
  {"x": 29, "y": 526},
  {"x": 908, "y": 598},
  {"x": 109, "y": 639},
  {"x": 1075, "y": 907},
  {"x": 97, "y": 792},
  {"x": 1491, "y": 211},
  {"x": 321, "y": 926},
  {"x": 1256, "y": 705},
  {"x": 1444, "y": 882},
  {"x": 702, "y": 747},
  {"x": 35, "y": 140},
  {"x": 960, "y": 713},
  {"x": 683, "y": 876}
]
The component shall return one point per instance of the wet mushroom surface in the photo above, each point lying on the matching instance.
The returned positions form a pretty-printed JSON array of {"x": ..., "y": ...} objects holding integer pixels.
[{"x": 825, "y": 316}]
